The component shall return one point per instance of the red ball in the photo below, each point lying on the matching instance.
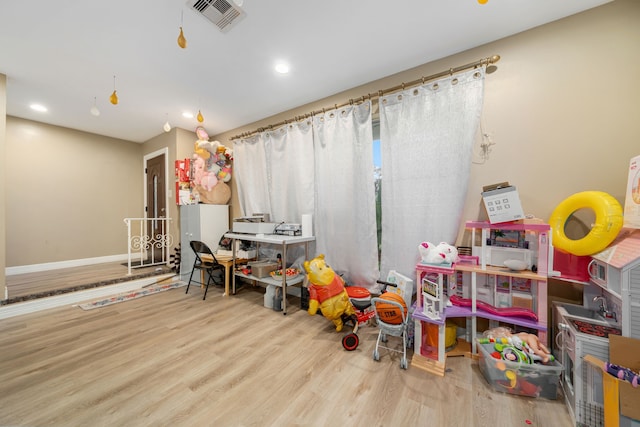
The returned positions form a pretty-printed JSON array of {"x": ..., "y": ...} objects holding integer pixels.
[{"x": 390, "y": 313}]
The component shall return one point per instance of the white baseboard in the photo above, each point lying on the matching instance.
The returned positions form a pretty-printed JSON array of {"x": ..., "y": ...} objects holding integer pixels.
[
  {"x": 34, "y": 268},
  {"x": 32, "y": 306}
]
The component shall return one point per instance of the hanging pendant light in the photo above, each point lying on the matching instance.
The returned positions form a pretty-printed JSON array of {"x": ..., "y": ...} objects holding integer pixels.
[
  {"x": 114, "y": 98},
  {"x": 94, "y": 108},
  {"x": 167, "y": 126},
  {"x": 182, "y": 42},
  {"x": 200, "y": 117}
]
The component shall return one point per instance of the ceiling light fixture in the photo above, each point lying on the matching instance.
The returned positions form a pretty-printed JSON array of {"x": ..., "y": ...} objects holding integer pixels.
[
  {"x": 187, "y": 115},
  {"x": 182, "y": 42},
  {"x": 200, "y": 117},
  {"x": 39, "y": 108},
  {"x": 167, "y": 126},
  {"x": 483, "y": 1},
  {"x": 114, "y": 98},
  {"x": 94, "y": 108},
  {"x": 282, "y": 68}
]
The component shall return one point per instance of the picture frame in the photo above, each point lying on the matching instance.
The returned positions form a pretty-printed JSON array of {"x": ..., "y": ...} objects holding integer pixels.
[{"x": 508, "y": 239}]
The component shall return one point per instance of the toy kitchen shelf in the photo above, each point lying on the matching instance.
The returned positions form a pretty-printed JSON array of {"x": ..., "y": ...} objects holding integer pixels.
[
  {"x": 461, "y": 279},
  {"x": 271, "y": 239}
]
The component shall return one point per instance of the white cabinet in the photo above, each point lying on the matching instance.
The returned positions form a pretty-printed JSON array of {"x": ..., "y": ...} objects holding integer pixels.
[{"x": 203, "y": 222}]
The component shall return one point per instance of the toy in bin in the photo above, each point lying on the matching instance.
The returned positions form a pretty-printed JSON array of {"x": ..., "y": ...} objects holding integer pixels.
[{"x": 518, "y": 364}]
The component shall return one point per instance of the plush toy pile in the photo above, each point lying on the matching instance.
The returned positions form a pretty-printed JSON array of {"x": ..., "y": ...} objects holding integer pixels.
[{"x": 212, "y": 169}]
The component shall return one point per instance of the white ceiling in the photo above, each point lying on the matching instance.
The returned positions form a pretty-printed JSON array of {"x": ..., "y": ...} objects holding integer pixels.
[{"x": 64, "y": 53}]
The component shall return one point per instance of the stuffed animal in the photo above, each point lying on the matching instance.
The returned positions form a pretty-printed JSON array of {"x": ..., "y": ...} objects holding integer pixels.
[
  {"x": 327, "y": 292},
  {"x": 450, "y": 252},
  {"x": 429, "y": 253},
  {"x": 202, "y": 176},
  {"x": 218, "y": 158},
  {"x": 438, "y": 254}
]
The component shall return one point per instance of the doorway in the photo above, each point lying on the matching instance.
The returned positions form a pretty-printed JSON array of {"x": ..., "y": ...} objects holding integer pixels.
[{"x": 155, "y": 182}]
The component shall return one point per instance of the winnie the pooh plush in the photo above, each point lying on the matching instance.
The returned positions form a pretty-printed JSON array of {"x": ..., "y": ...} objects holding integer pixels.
[{"x": 327, "y": 292}]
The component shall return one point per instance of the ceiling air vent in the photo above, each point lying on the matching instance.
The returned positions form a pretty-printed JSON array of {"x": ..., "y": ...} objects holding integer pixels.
[{"x": 221, "y": 12}]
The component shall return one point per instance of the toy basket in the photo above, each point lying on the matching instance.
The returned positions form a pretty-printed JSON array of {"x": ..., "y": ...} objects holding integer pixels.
[{"x": 385, "y": 329}]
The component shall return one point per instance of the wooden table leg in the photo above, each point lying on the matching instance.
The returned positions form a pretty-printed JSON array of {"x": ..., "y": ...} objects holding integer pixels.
[{"x": 227, "y": 267}]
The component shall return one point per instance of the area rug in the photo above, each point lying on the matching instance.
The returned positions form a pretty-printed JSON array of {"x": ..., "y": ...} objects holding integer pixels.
[{"x": 127, "y": 296}]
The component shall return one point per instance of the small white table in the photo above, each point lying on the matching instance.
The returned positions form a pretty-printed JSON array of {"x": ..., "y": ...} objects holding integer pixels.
[{"x": 272, "y": 239}]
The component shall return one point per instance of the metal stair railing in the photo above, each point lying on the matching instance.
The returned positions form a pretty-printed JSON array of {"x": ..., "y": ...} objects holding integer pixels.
[{"x": 148, "y": 249}]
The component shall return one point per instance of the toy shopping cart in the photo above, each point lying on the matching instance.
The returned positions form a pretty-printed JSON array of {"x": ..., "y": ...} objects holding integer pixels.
[{"x": 396, "y": 330}]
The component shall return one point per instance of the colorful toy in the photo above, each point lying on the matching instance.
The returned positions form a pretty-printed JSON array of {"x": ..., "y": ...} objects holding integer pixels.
[
  {"x": 327, "y": 292},
  {"x": 390, "y": 313},
  {"x": 514, "y": 349},
  {"x": 218, "y": 158},
  {"x": 519, "y": 386},
  {"x": 521, "y": 347},
  {"x": 624, "y": 374},
  {"x": 497, "y": 311}
]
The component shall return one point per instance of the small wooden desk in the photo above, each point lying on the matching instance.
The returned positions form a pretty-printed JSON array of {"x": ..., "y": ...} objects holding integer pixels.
[{"x": 227, "y": 261}]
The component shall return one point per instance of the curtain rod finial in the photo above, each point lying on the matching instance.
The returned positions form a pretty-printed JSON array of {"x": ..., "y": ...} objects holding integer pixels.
[{"x": 494, "y": 59}]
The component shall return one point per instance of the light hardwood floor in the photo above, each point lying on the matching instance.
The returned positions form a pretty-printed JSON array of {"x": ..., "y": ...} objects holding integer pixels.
[
  {"x": 172, "y": 359},
  {"x": 39, "y": 284}
]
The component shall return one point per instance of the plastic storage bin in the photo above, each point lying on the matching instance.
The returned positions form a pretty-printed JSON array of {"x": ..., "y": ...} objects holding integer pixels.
[{"x": 531, "y": 380}]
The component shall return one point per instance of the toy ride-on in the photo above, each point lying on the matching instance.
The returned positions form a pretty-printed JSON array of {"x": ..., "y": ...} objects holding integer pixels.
[
  {"x": 362, "y": 302},
  {"x": 339, "y": 303}
]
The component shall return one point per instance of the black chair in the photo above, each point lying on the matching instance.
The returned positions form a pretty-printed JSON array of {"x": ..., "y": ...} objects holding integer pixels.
[{"x": 206, "y": 262}]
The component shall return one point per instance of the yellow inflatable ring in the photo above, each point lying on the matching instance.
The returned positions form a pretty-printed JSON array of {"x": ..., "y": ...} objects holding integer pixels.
[{"x": 608, "y": 222}]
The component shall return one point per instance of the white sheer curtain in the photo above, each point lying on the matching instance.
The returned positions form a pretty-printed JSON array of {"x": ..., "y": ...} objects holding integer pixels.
[
  {"x": 274, "y": 172},
  {"x": 426, "y": 138},
  {"x": 251, "y": 175},
  {"x": 291, "y": 177},
  {"x": 345, "y": 214}
]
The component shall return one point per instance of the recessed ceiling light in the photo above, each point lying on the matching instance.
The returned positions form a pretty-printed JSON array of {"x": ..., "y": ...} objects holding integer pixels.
[
  {"x": 282, "y": 68},
  {"x": 38, "y": 107},
  {"x": 187, "y": 115}
]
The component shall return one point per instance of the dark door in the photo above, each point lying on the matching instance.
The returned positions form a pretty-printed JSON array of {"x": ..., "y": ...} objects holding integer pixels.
[{"x": 156, "y": 207}]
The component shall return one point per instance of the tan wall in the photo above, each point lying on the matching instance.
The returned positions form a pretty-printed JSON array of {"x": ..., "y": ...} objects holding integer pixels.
[
  {"x": 68, "y": 208},
  {"x": 3, "y": 180},
  {"x": 67, "y": 193},
  {"x": 562, "y": 108}
]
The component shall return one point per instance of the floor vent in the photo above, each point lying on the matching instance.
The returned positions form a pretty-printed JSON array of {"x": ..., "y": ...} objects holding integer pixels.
[{"x": 222, "y": 13}]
